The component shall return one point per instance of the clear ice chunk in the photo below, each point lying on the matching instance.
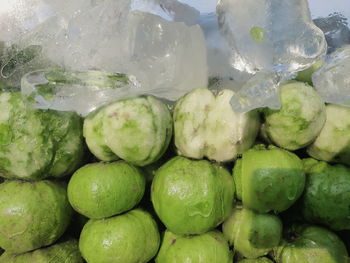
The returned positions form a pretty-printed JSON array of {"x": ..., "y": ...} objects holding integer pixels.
[
  {"x": 272, "y": 39},
  {"x": 332, "y": 80},
  {"x": 276, "y": 35},
  {"x": 336, "y": 30},
  {"x": 77, "y": 91},
  {"x": 167, "y": 58}
]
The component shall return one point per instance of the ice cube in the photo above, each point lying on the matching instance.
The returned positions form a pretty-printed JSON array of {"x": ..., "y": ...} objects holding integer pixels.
[
  {"x": 275, "y": 35},
  {"x": 332, "y": 80},
  {"x": 169, "y": 58},
  {"x": 171, "y": 10},
  {"x": 336, "y": 30}
]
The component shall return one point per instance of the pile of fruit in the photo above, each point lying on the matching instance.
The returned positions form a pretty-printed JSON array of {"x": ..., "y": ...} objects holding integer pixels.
[{"x": 139, "y": 180}]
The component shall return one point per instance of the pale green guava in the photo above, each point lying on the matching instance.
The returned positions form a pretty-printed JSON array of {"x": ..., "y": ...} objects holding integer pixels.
[
  {"x": 137, "y": 130},
  {"x": 206, "y": 126}
]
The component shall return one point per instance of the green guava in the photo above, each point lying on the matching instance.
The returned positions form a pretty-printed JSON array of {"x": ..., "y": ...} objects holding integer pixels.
[
  {"x": 101, "y": 190},
  {"x": 211, "y": 247},
  {"x": 326, "y": 199},
  {"x": 192, "y": 197},
  {"x": 137, "y": 130},
  {"x": 311, "y": 244},
  {"x": 132, "y": 237},
  {"x": 268, "y": 179},
  {"x": 32, "y": 214},
  {"x": 65, "y": 252},
  {"x": 333, "y": 142},
  {"x": 253, "y": 235},
  {"x": 35, "y": 144},
  {"x": 256, "y": 260},
  {"x": 206, "y": 126},
  {"x": 299, "y": 120}
]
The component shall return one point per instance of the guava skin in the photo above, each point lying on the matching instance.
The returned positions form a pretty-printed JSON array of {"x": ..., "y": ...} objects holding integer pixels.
[
  {"x": 137, "y": 130},
  {"x": 312, "y": 244},
  {"x": 132, "y": 237},
  {"x": 306, "y": 75},
  {"x": 211, "y": 247},
  {"x": 64, "y": 252},
  {"x": 256, "y": 260},
  {"x": 333, "y": 142},
  {"x": 253, "y": 235},
  {"x": 192, "y": 197},
  {"x": 32, "y": 214},
  {"x": 269, "y": 179},
  {"x": 206, "y": 126},
  {"x": 326, "y": 199},
  {"x": 299, "y": 120},
  {"x": 102, "y": 190},
  {"x": 36, "y": 144}
]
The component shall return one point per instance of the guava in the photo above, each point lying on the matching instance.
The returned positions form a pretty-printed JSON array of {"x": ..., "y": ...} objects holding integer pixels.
[
  {"x": 252, "y": 234},
  {"x": 256, "y": 260},
  {"x": 211, "y": 247},
  {"x": 299, "y": 120},
  {"x": 32, "y": 214},
  {"x": 311, "y": 244},
  {"x": 268, "y": 179},
  {"x": 101, "y": 190},
  {"x": 333, "y": 142},
  {"x": 190, "y": 196},
  {"x": 64, "y": 252},
  {"x": 132, "y": 237},
  {"x": 36, "y": 144},
  {"x": 137, "y": 130},
  {"x": 206, "y": 126},
  {"x": 326, "y": 199}
]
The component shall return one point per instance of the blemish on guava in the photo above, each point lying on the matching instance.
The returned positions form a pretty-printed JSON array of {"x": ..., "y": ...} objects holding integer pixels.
[
  {"x": 257, "y": 33},
  {"x": 173, "y": 241}
]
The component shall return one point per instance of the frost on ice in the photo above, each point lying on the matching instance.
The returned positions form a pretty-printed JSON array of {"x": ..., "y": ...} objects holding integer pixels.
[
  {"x": 267, "y": 38},
  {"x": 165, "y": 52},
  {"x": 332, "y": 80}
]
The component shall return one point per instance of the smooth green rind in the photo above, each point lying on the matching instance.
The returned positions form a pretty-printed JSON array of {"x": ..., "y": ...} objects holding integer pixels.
[
  {"x": 65, "y": 252},
  {"x": 206, "y": 126},
  {"x": 32, "y": 214},
  {"x": 102, "y": 190},
  {"x": 306, "y": 75},
  {"x": 326, "y": 199},
  {"x": 211, "y": 247},
  {"x": 333, "y": 143},
  {"x": 36, "y": 144},
  {"x": 237, "y": 177},
  {"x": 93, "y": 131},
  {"x": 299, "y": 120},
  {"x": 312, "y": 245},
  {"x": 129, "y": 238},
  {"x": 256, "y": 260},
  {"x": 138, "y": 129},
  {"x": 271, "y": 179},
  {"x": 253, "y": 235},
  {"x": 192, "y": 197}
]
